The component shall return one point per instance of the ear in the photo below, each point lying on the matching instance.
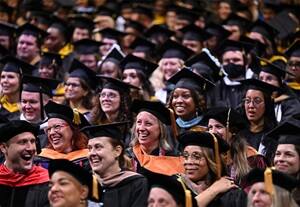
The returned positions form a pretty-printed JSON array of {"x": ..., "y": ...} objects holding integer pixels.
[
  {"x": 3, "y": 148},
  {"x": 84, "y": 192},
  {"x": 118, "y": 150}
]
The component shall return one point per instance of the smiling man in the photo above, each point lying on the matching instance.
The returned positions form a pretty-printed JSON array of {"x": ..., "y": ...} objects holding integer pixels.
[{"x": 22, "y": 183}]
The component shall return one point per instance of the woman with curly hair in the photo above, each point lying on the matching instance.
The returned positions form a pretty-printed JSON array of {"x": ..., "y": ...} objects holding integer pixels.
[
  {"x": 65, "y": 141},
  {"x": 187, "y": 99}
]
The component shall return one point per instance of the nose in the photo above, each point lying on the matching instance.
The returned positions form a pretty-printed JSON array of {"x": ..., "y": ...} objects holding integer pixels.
[
  {"x": 256, "y": 198},
  {"x": 213, "y": 130},
  {"x": 126, "y": 80}
]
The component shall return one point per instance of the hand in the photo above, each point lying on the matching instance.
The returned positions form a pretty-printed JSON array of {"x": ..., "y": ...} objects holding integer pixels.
[{"x": 223, "y": 184}]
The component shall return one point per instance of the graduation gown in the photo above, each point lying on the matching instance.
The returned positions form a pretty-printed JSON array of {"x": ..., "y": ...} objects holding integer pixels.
[
  {"x": 19, "y": 190},
  {"x": 233, "y": 198},
  {"x": 124, "y": 189}
]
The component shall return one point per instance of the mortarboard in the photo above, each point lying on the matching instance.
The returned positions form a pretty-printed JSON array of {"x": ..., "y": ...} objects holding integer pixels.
[
  {"x": 143, "y": 9},
  {"x": 115, "y": 84},
  {"x": 104, "y": 10},
  {"x": 157, "y": 30},
  {"x": 136, "y": 25},
  {"x": 7, "y": 29},
  {"x": 204, "y": 65},
  {"x": 174, "y": 185},
  {"x": 217, "y": 30},
  {"x": 12, "y": 128},
  {"x": 79, "y": 173},
  {"x": 30, "y": 29},
  {"x": 231, "y": 45},
  {"x": 271, "y": 177},
  {"x": 193, "y": 32},
  {"x": 183, "y": 13},
  {"x": 48, "y": 58},
  {"x": 268, "y": 67},
  {"x": 80, "y": 21},
  {"x": 157, "y": 108},
  {"x": 41, "y": 17},
  {"x": 258, "y": 48},
  {"x": 13, "y": 64},
  {"x": 133, "y": 62},
  {"x": 114, "y": 55},
  {"x": 79, "y": 70},
  {"x": 264, "y": 29},
  {"x": 185, "y": 78},
  {"x": 287, "y": 132},
  {"x": 142, "y": 45},
  {"x": 235, "y": 19},
  {"x": 87, "y": 46},
  {"x": 110, "y": 34},
  {"x": 172, "y": 49},
  {"x": 205, "y": 139},
  {"x": 73, "y": 117},
  {"x": 293, "y": 50},
  {"x": 227, "y": 116},
  {"x": 111, "y": 130},
  {"x": 259, "y": 85}
]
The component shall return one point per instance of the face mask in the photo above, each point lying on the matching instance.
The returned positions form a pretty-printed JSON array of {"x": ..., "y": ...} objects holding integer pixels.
[{"x": 234, "y": 71}]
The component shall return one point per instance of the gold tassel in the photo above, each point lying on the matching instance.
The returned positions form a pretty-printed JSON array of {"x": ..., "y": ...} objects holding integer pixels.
[
  {"x": 217, "y": 156},
  {"x": 268, "y": 181},
  {"x": 95, "y": 192},
  {"x": 188, "y": 194},
  {"x": 76, "y": 117},
  {"x": 228, "y": 156},
  {"x": 173, "y": 123}
]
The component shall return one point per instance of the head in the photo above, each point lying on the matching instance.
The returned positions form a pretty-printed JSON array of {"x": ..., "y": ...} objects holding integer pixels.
[
  {"x": 107, "y": 45},
  {"x": 48, "y": 70},
  {"x": 169, "y": 66},
  {"x": 10, "y": 83},
  {"x": 110, "y": 101},
  {"x": 149, "y": 132},
  {"x": 216, "y": 127},
  {"x": 269, "y": 78},
  {"x": 160, "y": 197},
  {"x": 234, "y": 63},
  {"x": 31, "y": 105},
  {"x": 19, "y": 152},
  {"x": 28, "y": 47},
  {"x": 110, "y": 69},
  {"x": 55, "y": 40},
  {"x": 293, "y": 66},
  {"x": 80, "y": 33},
  {"x": 66, "y": 190},
  {"x": 185, "y": 102},
  {"x": 287, "y": 159},
  {"x": 131, "y": 76},
  {"x": 106, "y": 155},
  {"x": 63, "y": 136},
  {"x": 194, "y": 45},
  {"x": 89, "y": 60}
]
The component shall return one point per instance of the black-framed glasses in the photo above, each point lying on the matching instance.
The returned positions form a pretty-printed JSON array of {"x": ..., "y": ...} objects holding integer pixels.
[
  {"x": 295, "y": 64},
  {"x": 55, "y": 127}
]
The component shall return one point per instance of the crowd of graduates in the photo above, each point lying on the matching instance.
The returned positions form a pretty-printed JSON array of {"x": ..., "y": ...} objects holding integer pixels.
[{"x": 133, "y": 103}]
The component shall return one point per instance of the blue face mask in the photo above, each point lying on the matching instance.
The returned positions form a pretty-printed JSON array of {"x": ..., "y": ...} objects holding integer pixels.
[{"x": 234, "y": 71}]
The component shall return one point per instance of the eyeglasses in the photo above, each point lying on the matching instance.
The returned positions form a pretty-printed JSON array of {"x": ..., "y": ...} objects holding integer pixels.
[
  {"x": 256, "y": 101},
  {"x": 195, "y": 156},
  {"x": 295, "y": 64},
  {"x": 74, "y": 85},
  {"x": 108, "y": 95},
  {"x": 55, "y": 127}
]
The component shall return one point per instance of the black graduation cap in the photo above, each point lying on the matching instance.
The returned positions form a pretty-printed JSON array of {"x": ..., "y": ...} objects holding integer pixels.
[
  {"x": 143, "y": 9},
  {"x": 202, "y": 139},
  {"x": 5, "y": 8},
  {"x": 193, "y": 32},
  {"x": 258, "y": 47},
  {"x": 73, "y": 117},
  {"x": 185, "y": 78},
  {"x": 235, "y": 19},
  {"x": 204, "y": 65},
  {"x": 183, "y": 13},
  {"x": 136, "y": 25},
  {"x": 217, "y": 30},
  {"x": 172, "y": 49},
  {"x": 157, "y": 108},
  {"x": 39, "y": 85},
  {"x": 81, "y": 21},
  {"x": 79, "y": 173},
  {"x": 62, "y": 26},
  {"x": 134, "y": 62},
  {"x": 114, "y": 55},
  {"x": 111, "y": 130},
  {"x": 226, "y": 116},
  {"x": 278, "y": 178},
  {"x": 157, "y": 30},
  {"x": 41, "y": 17},
  {"x": 115, "y": 84},
  {"x": 293, "y": 50},
  {"x": 231, "y": 45},
  {"x": 264, "y": 29},
  {"x": 111, "y": 33},
  {"x": 7, "y": 29},
  {"x": 12, "y": 128},
  {"x": 141, "y": 44},
  {"x": 30, "y": 29},
  {"x": 259, "y": 85},
  {"x": 79, "y": 70},
  {"x": 174, "y": 185},
  {"x": 13, "y": 64},
  {"x": 104, "y": 10},
  {"x": 48, "y": 58},
  {"x": 287, "y": 132},
  {"x": 87, "y": 46},
  {"x": 275, "y": 6},
  {"x": 268, "y": 67}
]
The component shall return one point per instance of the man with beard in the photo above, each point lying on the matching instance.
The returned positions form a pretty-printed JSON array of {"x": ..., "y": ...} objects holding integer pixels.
[
  {"x": 22, "y": 184},
  {"x": 228, "y": 91}
]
